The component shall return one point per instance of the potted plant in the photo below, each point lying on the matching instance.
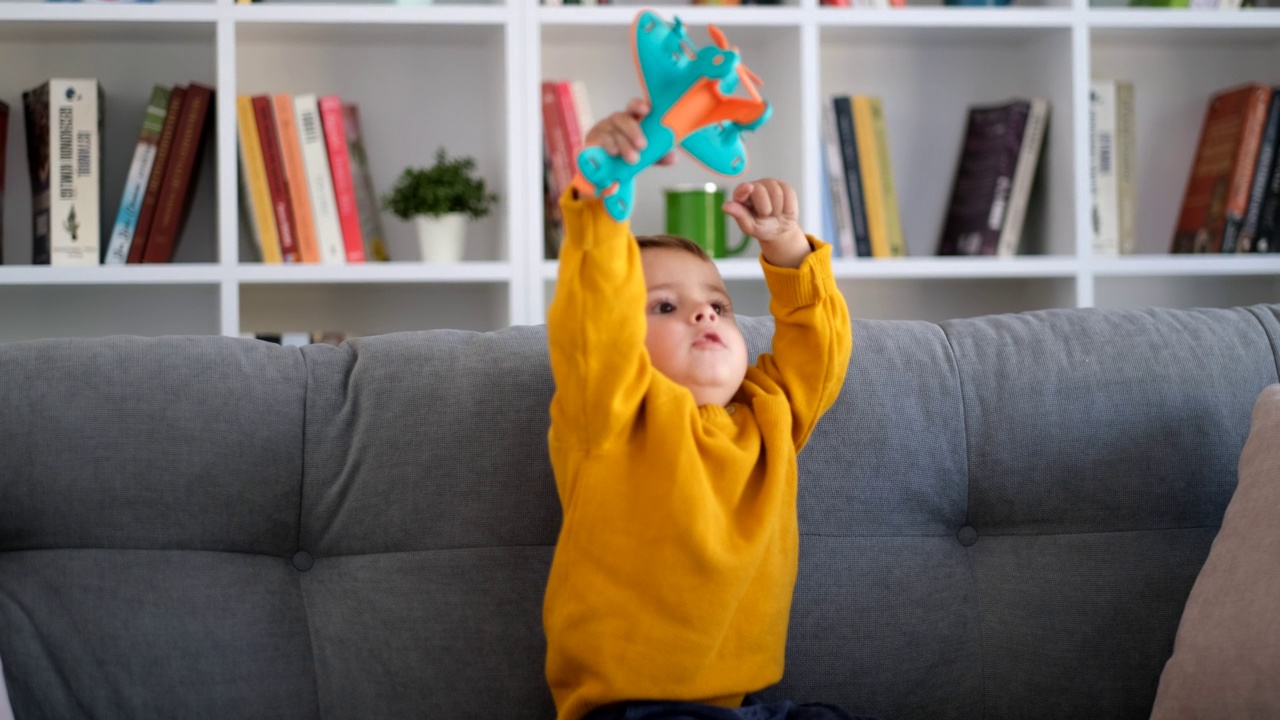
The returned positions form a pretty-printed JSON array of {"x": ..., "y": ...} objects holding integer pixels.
[{"x": 439, "y": 199}]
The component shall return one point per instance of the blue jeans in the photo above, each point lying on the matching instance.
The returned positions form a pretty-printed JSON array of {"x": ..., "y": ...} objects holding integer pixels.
[{"x": 752, "y": 709}]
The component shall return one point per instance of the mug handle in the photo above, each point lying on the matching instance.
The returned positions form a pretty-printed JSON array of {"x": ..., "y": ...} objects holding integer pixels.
[{"x": 737, "y": 249}]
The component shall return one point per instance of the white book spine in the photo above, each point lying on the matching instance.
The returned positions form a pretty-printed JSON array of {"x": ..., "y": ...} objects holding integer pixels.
[
  {"x": 1126, "y": 168},
  {"x": 1024, "y": 175},
  {"x": 315, "y": 161},
  {"x": 75, "y": 178},
  {"x": 836, "y": 180},
  {"x": 1102, "y": 159}
]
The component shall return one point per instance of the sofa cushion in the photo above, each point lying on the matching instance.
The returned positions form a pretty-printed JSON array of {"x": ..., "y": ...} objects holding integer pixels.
[{"x": 1226, "y": 657}]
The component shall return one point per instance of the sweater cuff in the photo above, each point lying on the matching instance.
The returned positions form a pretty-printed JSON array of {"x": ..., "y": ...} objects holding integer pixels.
[
  {"x": 805, "y": 285},
  {"x": 586, "y": 214}
]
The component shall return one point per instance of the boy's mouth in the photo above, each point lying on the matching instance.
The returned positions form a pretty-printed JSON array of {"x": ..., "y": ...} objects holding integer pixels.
[{"x": 707, "y": 339}]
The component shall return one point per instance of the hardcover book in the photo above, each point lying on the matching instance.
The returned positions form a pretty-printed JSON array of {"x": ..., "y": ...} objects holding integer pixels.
[{"x": 983, "y": 178}]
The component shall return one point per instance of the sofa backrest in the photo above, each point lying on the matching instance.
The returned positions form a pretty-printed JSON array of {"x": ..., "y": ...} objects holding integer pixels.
[{"x": 1001, "y": 517}]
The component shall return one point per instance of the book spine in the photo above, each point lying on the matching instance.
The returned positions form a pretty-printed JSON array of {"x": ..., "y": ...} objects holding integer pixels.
[
  {"x": 35, "y": 105},
  {"x": 843, "y": 216},
  {"x": 889, "y": 196},
  {"x": 276, "y": 181},
  {"x": 175, "y": 193},
  {"x": 1102, "y": 167},
  {"x": 869, "y": 167},
  {"x": 310, "y": 249},
  {"x": 75, "y": 123},
  {"x": 4, "y": 138},
  {"x": 1024, "y": 176},
  {"x": 1261, "y": 176},
  {"x": 135, "y": 185},
  {"x": 164, "y": 149},
  {"x": 983, "y": 179},
  {"x": 1126, "y": 168},
  {"x": 362, "y": 179},
  {"x": 344, "y": 191},
  {"x": 253, "y": 184},
  {"x": 852, "y": 174},
  {"x": 318, "y": 180},
  {"x": 556, "y": 138}
]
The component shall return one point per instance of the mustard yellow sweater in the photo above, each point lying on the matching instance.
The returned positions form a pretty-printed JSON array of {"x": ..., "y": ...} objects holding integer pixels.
[{"x": 674, "y": 570}]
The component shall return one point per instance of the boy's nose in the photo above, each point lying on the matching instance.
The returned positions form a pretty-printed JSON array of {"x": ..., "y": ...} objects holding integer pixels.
[{"x": 705, "y": 315}]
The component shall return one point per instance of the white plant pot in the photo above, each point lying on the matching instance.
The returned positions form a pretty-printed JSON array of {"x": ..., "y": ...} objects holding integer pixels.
[{"x": 441, "y": 238}]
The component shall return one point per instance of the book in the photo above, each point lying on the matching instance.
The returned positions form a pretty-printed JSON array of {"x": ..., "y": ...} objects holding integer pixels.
[
  {"x": 4, "y": 144},
  {"x": 1126, "y": 151},
  {"x": 272, "y": 161},
  {"x": 255, "y": 195},
  {"x": 310, "y": 249},
  {"x": 1261, "y": 179},
  {"x": 849, "y": 154},
  {"x": 841, "y": 233},
  {"x": 135, "y": 184},
  {"x": 339, "y": 162},
  {"x": 370, "y": 211},
  {"x": 75, "y": 158},
  {"x": 317, "y": 179},
  {"x": 983, "y": 179},
  {"x": 35, "y": 113},
  {"x": 1217, "y": 188},
  {"x": 894, "y": 243},
  {"x": 1103, "y": 185},
  {"x": 174, "y": 202},
  {"x": 1024, "y": 175},
  {"x": 164, "y": 148}
]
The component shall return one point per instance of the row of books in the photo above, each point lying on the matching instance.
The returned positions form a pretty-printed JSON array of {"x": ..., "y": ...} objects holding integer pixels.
[
  {"x": 861, "y": 200},
  {"x": 307, "y": 195},
  {"x": 63, "y": 122},
  {"x": 1232, "y": 199}
]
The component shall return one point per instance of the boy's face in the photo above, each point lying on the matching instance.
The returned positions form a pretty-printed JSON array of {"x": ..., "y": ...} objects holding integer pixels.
[{"x": 692, "y": 337}]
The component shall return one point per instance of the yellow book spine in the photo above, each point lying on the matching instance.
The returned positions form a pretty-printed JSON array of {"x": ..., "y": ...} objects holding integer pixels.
[
  {"x": 255, "y": 171},
  {"x": 869, "y": 167},
  {"x": 893, "y": 221}
]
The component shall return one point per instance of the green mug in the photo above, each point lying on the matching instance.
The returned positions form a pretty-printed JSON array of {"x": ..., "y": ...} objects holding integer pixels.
[{"x": 694, "y": 212}]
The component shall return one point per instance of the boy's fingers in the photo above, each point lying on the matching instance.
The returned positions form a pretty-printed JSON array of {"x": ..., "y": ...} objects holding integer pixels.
[
  {"x": 790, "y": 202},
  {"x": 668, "y": 159},
  {"x": 742, "y": 192},
  {"x": 738, "y": 212},
  {"x": 638, "y": 107},
  {"x": 760, "y": 200}
]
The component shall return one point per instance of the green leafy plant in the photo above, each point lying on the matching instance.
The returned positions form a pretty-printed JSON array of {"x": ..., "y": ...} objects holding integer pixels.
[{"x": 446, "y": 187}]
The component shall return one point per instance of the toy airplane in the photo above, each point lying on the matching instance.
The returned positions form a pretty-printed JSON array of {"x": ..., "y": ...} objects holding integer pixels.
[{"x": 689, "y": 92}]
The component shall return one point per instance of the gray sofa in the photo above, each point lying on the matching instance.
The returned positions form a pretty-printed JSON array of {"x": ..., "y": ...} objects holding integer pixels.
[{"x": 1002, "y": 518}]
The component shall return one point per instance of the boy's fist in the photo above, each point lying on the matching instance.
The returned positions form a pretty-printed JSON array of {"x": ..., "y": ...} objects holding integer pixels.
[
  {"x": 768, "y": 210},
  {"x": 620, "y": 134}
]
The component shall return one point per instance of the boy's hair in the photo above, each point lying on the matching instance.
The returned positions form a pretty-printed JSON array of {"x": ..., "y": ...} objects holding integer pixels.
[{"x": 674, "y": 242}]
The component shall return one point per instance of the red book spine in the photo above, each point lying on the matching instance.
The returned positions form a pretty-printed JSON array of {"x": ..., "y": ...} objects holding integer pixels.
[
  {"x": 176, "y": 190},
  {"x": 147, "y": 211},
  {"x": 276, "y": 182},
  {"x": 344, "y": 188}
]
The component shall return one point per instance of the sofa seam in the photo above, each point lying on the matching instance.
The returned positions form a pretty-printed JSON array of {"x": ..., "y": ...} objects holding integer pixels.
[
  {"x": 1271, "y": 340},
  {"x": 968, "y": 504},
  {"x": 302, "y": 477}
]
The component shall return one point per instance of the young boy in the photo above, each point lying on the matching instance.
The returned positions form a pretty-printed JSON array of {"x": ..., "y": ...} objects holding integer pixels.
[{"x": 670, "y": 591}]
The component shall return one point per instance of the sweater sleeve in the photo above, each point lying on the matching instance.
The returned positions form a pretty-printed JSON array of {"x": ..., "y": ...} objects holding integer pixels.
[
  {"x": 596, "y": 328},
  {"x": 812, "y": 338}
]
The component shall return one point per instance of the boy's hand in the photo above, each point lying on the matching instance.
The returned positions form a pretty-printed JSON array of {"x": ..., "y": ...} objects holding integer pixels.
[
  {"x": 620, "y": 134},
  {"x": 768, "y": 211}
]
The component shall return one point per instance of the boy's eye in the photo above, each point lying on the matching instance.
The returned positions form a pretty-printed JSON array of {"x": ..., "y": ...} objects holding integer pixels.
[
  {"x": 718, "y": 307},
  {"x": 665, "y": 307}
]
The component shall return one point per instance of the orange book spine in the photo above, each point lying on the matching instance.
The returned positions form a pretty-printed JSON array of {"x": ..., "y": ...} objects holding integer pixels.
[{"x": 304, "y": 221}]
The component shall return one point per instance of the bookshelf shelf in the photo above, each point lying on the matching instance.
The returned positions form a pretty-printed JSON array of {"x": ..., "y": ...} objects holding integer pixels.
[
  {"x": 388, "y": 272},
  {"x": 466, "y": 76}
]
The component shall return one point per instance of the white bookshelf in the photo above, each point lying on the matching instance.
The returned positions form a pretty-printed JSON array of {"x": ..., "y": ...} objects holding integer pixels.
[{"x": 466, "y": 76}]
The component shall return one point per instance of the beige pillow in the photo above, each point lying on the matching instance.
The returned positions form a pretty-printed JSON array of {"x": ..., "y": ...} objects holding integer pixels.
[{"x": 1226, "y": 656}]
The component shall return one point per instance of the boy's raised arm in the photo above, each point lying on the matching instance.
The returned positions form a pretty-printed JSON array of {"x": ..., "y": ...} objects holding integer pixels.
[
  {"x": 596, "y": 321},
  {"x": 812, "y": 339}
]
